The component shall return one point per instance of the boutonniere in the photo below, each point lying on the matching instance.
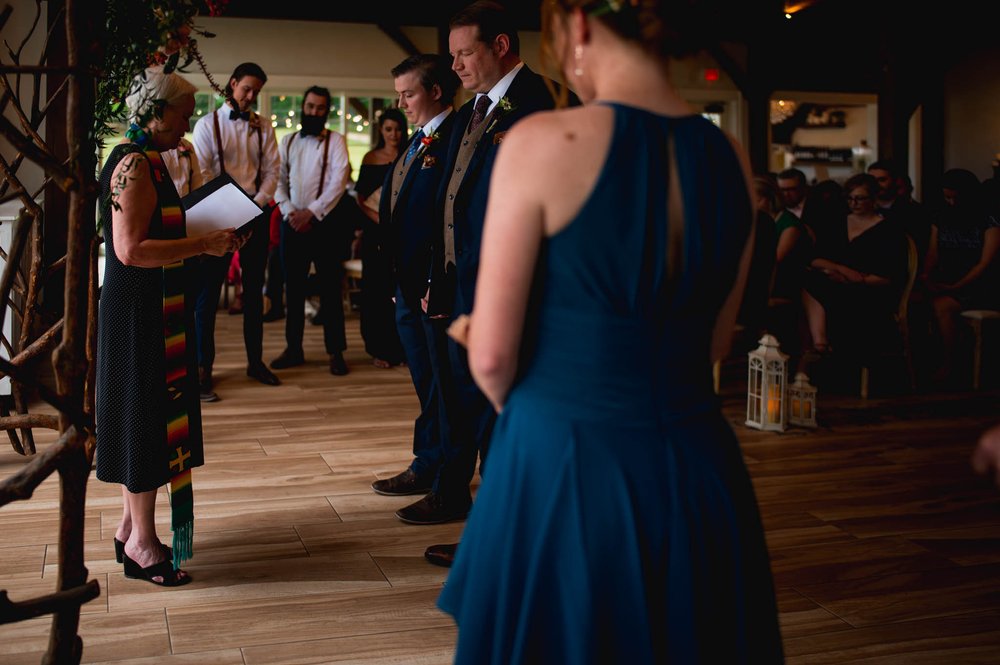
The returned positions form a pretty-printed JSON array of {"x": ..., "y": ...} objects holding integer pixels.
[
  {"x": 183, "y": 150},
  {"x": 428, "y": 140},
  {"x": 504, "y": 107},
  {"x": 254, "y": 120},
  {"x": 429, "y": 162},
  {"x": 498, "y": 138}
]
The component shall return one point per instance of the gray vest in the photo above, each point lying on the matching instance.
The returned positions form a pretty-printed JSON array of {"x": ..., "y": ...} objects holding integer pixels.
[
  {"x": 399, "y": 175},
  {"x": 465, "y": 152}
]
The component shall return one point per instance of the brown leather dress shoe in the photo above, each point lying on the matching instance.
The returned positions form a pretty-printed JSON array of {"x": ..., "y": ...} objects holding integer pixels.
[
  {"x": 441, "y": 555},
  {"x": 434, "y": 509},
  {"x": 402, "y": 484}
]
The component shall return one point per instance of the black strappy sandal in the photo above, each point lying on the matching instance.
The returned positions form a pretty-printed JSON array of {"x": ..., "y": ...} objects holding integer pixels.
[{"x": 163, "y": 569}]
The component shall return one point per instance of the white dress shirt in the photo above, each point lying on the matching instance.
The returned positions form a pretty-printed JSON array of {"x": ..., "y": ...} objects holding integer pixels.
[
  {"x": 182, "y": 164},
  {"x": 301, "y": 166},
  {"x": 497, "y": 92},
  {"x": 241, "y": 149},
  {"x": 431, "y": 125}
]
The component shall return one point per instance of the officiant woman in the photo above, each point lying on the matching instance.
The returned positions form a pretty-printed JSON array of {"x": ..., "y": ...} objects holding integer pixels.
[{"x": 148, "y": 412}]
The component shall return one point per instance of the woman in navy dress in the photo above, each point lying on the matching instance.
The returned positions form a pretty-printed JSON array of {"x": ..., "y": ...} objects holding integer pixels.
[{"x": 617, "y": 523}]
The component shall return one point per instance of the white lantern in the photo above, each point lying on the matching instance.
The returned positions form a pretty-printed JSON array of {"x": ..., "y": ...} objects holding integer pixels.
[
  {"x": 766, "y": 379},
  {"x": 802, "y": 402}
]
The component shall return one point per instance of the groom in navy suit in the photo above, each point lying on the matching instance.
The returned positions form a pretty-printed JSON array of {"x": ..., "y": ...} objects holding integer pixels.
[
  {"x": 484, "y": 47},
  {"x": 426, "y": 86}
]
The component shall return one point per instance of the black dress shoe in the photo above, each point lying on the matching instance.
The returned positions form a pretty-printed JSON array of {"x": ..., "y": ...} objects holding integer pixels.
[
  {"x": 263, "y": 374},
  {"x": 441, "y": 555},
  {"x": 403, "y": 484},
  {"x": 288, "y": 359},
  {"x": 273, "y": 315},
  {"x": 337, "y": 365},
  {"x": 205, "y": 392},
  {"x": 434, "y": 509}
]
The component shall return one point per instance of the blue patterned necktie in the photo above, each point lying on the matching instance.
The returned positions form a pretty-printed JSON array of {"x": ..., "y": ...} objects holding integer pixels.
[{"x": 414, "y": 146}]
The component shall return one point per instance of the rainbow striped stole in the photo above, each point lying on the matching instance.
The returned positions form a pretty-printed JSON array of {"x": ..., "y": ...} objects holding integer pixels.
[{"x": 175, "y": 340}]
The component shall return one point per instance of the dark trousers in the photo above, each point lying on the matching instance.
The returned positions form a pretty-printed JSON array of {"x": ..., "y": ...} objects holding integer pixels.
[
  {"x": 298, "y": 251},
  {"x": 212, "y": 275},
  {"x": 275, "y": 286},
  {"x": 424, "y": 343},
  {"x": 471, "y": 418}
]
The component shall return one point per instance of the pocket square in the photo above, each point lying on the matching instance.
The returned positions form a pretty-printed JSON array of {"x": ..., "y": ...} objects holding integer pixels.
[
  {"x": 498, "y": 137},
  {"x": 429, "y": 162}
]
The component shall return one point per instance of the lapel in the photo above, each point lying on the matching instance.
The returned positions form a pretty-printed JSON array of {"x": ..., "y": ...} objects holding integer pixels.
[
  {"x": 438, "y": 149},
  {"x": 519, "y": 97}
]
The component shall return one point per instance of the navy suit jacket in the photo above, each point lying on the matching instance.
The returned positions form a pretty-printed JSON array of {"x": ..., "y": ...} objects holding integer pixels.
[
  {"x": 412, "y": 225},
  {"x": 453, "y": 294}
]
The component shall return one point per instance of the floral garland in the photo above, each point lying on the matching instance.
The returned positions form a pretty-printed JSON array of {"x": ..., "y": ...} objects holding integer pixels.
[{"x": 137, "y": 35}]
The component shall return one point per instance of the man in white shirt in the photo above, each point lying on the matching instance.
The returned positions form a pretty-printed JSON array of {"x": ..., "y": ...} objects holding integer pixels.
[
  {"x": 315, "y": 170},
  {"x": 182, "y": 164},
  {"x": 236, "y": 141}
]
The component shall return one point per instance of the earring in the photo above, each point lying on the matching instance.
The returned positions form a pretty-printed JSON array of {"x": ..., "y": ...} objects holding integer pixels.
[{"x": 578, "y": 56}]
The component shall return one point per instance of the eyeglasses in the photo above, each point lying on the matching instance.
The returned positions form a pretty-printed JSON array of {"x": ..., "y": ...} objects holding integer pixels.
[{"x": 856, "y": 199}]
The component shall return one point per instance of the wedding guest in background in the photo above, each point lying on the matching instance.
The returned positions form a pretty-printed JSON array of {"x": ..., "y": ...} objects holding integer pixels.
[
  {"x": 182, "y": 164},
  {"x": 378, "y": 312},
  {"x": 315, "y": 170},
  {"x": 852, "y": 287},
  {"x": 616, "y": 522},
  {"x": 236, "y": 141},
  {"x": 146, "y": 306},
  {"x": 961, "y": 270}
]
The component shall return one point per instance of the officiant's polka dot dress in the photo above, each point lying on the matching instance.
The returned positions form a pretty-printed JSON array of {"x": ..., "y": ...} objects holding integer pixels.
[{"x": 131, "y": 383}]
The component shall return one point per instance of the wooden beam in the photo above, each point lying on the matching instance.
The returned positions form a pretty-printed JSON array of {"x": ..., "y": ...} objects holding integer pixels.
[{"x": 396, "y": 35}]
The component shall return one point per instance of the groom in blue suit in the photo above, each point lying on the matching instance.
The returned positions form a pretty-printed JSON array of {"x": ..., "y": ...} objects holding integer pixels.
[
  {"x": 408, "y": 209},
  {"x": 484, "y": 47}
]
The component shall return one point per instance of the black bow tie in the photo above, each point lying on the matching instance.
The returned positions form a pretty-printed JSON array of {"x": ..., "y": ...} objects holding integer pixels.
[{"x": 237, "y": 115}]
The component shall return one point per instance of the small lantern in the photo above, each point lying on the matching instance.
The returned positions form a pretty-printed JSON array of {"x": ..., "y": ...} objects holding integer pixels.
[
  {"x": 802, "y": 402},
  {"x": 766, "y": 379}
]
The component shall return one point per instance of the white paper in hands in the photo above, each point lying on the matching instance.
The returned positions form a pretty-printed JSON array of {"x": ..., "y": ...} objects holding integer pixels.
[{"x": 226, "y": 207}]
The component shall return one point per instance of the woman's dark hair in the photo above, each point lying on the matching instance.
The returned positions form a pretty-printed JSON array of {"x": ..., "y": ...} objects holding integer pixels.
[
  {"x": 395, "y": 115},
  {"x": 663, "y": 28},
  {"x": 244, "y": 69},
  {"x": 865, "y": 180},
  {"x": 492, "y": 19},
  {"x": 433, "y": 70}
]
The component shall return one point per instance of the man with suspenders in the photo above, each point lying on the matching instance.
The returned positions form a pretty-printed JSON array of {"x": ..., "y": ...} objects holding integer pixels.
[
  {"x": 315, "y": 170},
  {"x": 236, "y": 141}
]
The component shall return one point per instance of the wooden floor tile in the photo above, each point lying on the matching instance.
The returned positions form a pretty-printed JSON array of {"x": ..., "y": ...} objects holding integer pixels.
[
  {"x": 964, "y": 640},
  {"x": 318, "y": 616},
  {"x": 430, "y": 646},
  {"x": 239, "y": 583}
]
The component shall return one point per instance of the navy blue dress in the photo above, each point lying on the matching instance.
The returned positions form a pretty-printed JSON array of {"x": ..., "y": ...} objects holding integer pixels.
[{"x": 617, "y": 522}]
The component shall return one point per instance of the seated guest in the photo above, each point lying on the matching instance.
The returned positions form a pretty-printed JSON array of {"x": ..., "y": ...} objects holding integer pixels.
[
  {"x": 895, "y": 203},
  {"x": 853, "y": 283},
  {"x": 961, "y": 269}
]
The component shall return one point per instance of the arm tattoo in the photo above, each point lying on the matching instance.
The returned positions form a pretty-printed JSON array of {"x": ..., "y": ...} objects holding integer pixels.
[{"x": 126, "y": 173}]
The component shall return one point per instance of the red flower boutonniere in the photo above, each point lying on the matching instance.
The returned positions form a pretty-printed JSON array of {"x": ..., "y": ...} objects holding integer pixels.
[{"x": 429, "y": 162}]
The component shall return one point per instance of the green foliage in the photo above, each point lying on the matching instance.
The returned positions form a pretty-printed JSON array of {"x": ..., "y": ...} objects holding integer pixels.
[{"x": 135, "y": 36}]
